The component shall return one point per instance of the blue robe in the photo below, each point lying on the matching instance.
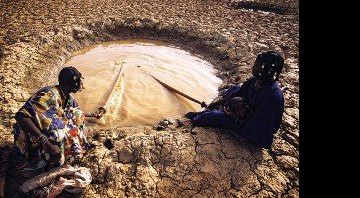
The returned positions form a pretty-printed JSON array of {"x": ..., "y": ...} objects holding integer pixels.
[{"x": 263, "y": 120}]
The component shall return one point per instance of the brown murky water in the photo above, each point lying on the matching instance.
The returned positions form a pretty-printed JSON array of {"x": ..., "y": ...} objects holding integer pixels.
[{"x": 144, "y": 100}]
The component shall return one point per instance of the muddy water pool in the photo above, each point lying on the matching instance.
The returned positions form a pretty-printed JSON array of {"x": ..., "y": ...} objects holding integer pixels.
[{"x": 143, "y": 100}]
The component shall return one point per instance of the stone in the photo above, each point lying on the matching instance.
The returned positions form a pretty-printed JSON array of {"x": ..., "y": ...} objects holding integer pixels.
[
  {"x": 125, "y": 155},
  {"x": 159, "y": 127},
  {"x": 164, "y": 123}
]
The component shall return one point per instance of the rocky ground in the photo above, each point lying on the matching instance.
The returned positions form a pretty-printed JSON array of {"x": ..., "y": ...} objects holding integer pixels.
[{"x": 37, "y": 36}]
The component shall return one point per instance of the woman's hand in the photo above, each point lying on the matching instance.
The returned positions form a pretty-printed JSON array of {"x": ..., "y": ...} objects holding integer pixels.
[
  {"x": 52, "y": 147},
  {"x": 99, "y": 113},
  {"x": 215, "y": 104}
]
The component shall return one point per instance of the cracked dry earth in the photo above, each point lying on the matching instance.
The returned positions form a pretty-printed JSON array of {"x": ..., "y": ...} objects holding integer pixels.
[{"x": 36, "y": 37}]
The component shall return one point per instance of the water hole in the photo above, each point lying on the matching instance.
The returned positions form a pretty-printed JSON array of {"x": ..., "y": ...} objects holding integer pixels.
[{"x": 118, "y": 75}]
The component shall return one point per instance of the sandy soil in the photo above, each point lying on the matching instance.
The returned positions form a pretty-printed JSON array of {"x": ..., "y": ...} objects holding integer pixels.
[{"x": 36, "y": 37}]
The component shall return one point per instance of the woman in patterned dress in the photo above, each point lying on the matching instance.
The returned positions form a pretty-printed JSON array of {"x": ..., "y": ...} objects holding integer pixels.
[{"x": 50, "y": 126}]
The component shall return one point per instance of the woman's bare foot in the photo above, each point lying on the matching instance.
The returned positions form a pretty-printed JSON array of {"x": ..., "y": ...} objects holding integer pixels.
[{"x": 184, "y": 122}]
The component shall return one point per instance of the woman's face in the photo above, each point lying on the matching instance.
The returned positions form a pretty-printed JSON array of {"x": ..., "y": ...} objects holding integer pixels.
[{"x": 80, "y": 86}]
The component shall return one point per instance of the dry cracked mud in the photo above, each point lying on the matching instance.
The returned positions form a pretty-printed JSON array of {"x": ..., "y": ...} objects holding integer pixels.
[{"x": 36, "y": 37}]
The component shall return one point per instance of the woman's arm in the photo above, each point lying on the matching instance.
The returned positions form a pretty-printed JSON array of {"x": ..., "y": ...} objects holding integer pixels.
[
  {"x": 97, "y": 114},
  {"x": 28, "y": 125},
  {"x": 233, "y": 91}
]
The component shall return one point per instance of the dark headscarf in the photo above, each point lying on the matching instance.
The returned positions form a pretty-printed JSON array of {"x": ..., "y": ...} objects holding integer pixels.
[
  {"x": 271, "y": 64},
  {"x": 70, "y": 76}
]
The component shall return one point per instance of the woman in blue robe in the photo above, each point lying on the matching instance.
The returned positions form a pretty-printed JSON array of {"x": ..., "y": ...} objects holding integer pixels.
[{"x": 264, "y": 104}]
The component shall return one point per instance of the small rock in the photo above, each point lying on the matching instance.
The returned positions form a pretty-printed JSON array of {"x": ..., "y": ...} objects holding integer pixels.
[
  {"x": 179, "y": 123},
  {"x": 125, "y": 155},
  {"x": 171, "y": 121},
  {"x": 159, "y": 127},
  {"x": 164, "y": 123}
]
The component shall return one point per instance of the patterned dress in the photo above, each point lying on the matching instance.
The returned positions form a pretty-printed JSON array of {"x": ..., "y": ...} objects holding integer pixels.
[{"x": 63, "y": 126}]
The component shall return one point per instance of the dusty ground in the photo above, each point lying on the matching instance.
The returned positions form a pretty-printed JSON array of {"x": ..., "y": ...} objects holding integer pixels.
[{"x": 37, "y": 36}]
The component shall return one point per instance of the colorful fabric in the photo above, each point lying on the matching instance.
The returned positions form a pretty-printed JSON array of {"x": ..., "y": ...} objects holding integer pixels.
[
  {"x": 52, "y": 183},
  {"x": 62, "y": 123}
]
